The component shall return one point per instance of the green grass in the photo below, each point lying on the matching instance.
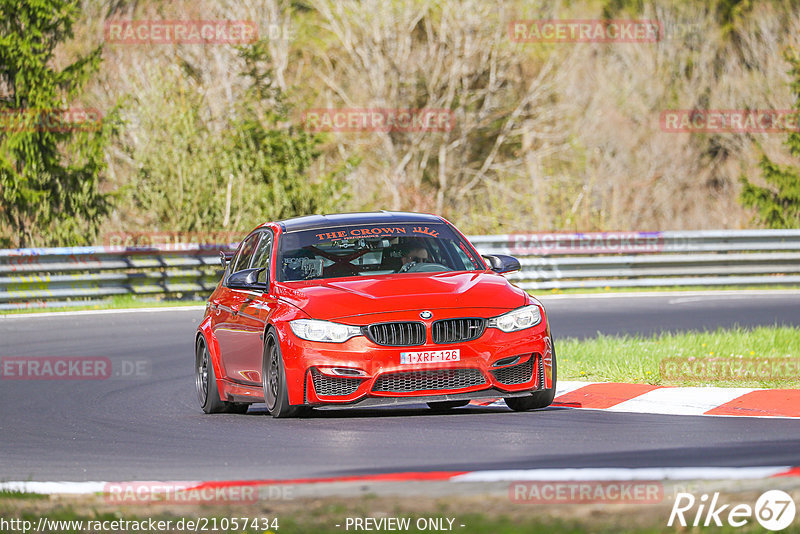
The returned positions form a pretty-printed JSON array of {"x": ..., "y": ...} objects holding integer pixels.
[
  {"x": 524, "y": 519},
  {"x": 114, "y": 303},
  {"x": 639, "y": 359},
  {"x": 320, "y": 522},
  {"x": 11, "y": 494},
  {"x": 474, "y": 523}
]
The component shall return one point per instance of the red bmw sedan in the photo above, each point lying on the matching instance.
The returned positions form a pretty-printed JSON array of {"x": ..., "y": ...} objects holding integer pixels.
[{"x": 362, "y": 309}]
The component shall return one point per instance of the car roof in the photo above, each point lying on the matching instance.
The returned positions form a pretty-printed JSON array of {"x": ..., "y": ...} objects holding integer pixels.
[{"x": 313, "y": 222}]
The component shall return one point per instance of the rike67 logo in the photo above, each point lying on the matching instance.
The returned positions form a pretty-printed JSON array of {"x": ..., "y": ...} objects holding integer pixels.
[{"x": 774, "y": 510}]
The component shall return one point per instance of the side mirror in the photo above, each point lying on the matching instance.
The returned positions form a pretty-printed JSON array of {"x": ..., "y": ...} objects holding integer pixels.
[
  {"x": 500, "y": 263},
  {"x": 247, "y": 279},
  {"x": 225, "y": 258}
]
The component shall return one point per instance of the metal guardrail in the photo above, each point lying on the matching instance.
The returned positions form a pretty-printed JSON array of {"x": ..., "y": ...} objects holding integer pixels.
[
  {"x": 46, "y": 277},
  {"x": 650, "y": 259},
  {"x": 51, "y": 277}
]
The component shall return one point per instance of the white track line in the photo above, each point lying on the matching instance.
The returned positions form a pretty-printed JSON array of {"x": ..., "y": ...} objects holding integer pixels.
[
  {"x": 564, "y": 387},
  {"x": 550, "y": 475},
  {"x": 647, "y": 473},
  {"x": 52, "y": 488}
]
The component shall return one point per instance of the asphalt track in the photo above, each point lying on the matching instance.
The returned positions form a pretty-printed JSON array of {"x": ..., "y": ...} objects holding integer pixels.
[{"x": 152, "y": 429}]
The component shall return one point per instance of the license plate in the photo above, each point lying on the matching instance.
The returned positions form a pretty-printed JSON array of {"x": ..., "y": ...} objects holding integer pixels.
[{"x": 430, "y": 356}]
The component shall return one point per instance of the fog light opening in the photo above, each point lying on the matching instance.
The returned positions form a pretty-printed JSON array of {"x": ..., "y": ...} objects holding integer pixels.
[
  {"x": 342, "y": 371},
  {"x": 511, "y": 360}
]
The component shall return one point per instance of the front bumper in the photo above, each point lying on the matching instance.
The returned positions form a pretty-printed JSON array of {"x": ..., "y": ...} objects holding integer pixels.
[
  {"x": 312, "y": 367},
  {"x": 367, "y": 402}
]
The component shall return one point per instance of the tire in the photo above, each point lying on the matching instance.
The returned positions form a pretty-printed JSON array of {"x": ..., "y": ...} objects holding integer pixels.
[
  {"x": 273, "y": 380},
  {"x": 206, "y": 384},
  {"x": 538, "y": 399},
  {"x": 441, "y": 406}
]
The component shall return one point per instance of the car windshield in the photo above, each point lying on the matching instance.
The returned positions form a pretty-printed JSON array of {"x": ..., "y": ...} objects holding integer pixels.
[{"x": 367, "y": 250}]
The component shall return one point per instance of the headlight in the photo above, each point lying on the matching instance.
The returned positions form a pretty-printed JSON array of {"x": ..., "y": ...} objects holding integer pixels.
[
  {"x": 314, "y": 330},
  {"x": 518, "y": 319}
]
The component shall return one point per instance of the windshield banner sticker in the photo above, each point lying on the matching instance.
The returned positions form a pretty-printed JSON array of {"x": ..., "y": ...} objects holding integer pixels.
[{"x": 377, "y": 231}]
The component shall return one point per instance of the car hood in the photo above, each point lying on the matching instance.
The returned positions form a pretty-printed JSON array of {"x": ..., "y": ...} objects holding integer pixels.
[{"x": 337, "y": 298}]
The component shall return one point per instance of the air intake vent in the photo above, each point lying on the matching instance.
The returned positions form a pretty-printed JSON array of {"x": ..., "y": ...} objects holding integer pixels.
[
  {"x": 458, "y": 330},
  {"x": 516, "y": 374},
  {"x": 396, "y": 334},
  {"x": 411, "y": 381},
  {"x": 331, "y": 386}
]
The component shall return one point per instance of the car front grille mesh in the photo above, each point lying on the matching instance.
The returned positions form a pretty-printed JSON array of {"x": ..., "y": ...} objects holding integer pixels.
[
  {"x": 333, "y": 386},
  {"x": 458, "y": 330},
  {"x": 401, "y": 334},
  {"x": 516, "y": 374},
  {"x": 438, "y": 379}
]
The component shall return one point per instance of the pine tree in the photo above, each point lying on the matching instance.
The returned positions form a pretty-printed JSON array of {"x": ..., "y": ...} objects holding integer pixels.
[
  {"x": 778, "y": 204},
  {"x": 49, "y": 176}
]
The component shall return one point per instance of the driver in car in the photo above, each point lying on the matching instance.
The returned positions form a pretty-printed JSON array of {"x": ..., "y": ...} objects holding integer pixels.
[{"x": 414, "y": 254}]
